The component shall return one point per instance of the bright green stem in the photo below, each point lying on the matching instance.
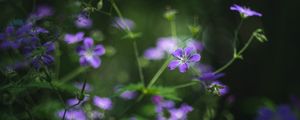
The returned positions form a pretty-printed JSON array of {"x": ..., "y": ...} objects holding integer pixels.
[
  {"x": 185, "y": 85},
  {"x": 73, "y": 74},
  {"x": 139, "y": 63},
  {"x": 159, "y": 72}
]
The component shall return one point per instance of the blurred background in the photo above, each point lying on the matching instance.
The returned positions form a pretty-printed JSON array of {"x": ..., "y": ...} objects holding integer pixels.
[{"x": 267, "y": 76}]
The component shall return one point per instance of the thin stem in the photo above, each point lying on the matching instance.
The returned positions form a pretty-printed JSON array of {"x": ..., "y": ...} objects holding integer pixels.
[
  {"x": 134, "y": 42},
  {"x": 73, "y": 74},
  {"x": 246, "y": 45},
  {"x": 159, "y": 72},
  {"x": 139, "y": 63},
  {"x": 236, "y": 55},
  {"x": 225, "y": 66},
  {"x": 185, "y": 85},
  {"x": 235, "y": 39}
]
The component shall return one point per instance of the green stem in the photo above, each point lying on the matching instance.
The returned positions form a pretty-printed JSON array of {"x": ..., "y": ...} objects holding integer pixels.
[
  {"x": 246, "y": 45},
  {"x": 236, "y": 55},
  {"x": 139, "y": 63},
  {"x": 236, "y": 32},
  {"x": 185, "y": 85},
  {"x": 159, "y": 72},
  {"x": 73, "y": 74}
]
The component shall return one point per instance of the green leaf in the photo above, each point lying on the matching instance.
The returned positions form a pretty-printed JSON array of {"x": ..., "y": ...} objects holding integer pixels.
[
  {"x": 131, "y": 35},
  {"x": 100, "y": 5}
]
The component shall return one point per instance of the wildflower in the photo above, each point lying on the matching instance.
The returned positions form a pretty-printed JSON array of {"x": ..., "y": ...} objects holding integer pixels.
[
  {"x": 43, "y": 11},
  {"x": 70, "y": 38},
  {"x": 42, "y": 55},
  {"x": 89, "y": 54},
  {"x": 282, "y": 112},
  {"x": 245, "y": 12},
  {"x": 180, "y": 113},
  {"x": 154, "y": 54},
  {"x": 207, "y": 73},
  {"x": 73, "y": 114},
  {"x": 123, "y": 23},
  {"x": 183, "y": 59},
  {"x": 195, "y": 45},
  {"x": 167, "y": 44},
  {"x": 83, "y": 21},
  {"x": 103, "y": 103},
  {"x": 218, "y": 88},
  {"x": 128, "y": 95}
]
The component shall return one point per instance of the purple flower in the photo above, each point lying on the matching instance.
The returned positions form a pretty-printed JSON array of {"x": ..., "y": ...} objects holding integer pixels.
[
  {"x": 183, "y": 59},
  {"x": 43, "y": 57},
  {"x": 154, "y": 54},
  {"x": 245, "y": 12},
  {"x": 103, "y": 103},
  {"x": 124, "y": 24},
  {"x": 167, "y": 44},
  {"x": 195, "y": 45},
  {"x": 74, "y": 38},
  {"x": 282, "y": 112},
  {"x": 180, "y": 113},
  {"x": 128, "y": 95},
  {"x": 43, "y": 11},
  {"x": 73, "y": 114},
  {"x": 218, "y": 88},
  {"x": 89, "y": 54},
  {"x": 207, "y": 73},
  {"x": 74, "y": 101},
  {"x": 83, "y": 21}
]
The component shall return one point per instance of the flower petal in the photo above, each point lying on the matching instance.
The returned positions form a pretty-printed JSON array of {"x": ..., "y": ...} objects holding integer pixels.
[
  {"x": 99, "y": 50},
  {"x": 95, "y": 61},
  {"x": 173, "y": 64},
  {"x": 195, "y": 58},
  {"x": 183, "y": 67},
  {"x": 188, "y": 51},
  {"x": 178, "y": 53},
  {"x": 83, "y": 61},
  {"x": 88, "y": 42}
]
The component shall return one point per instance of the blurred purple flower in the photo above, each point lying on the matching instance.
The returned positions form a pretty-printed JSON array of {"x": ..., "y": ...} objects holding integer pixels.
[
  {"x": 74, "y": 38},
  {"x": 83, "y": 21},
  {"x": 195, "y": 45},
  {"x": 73, "y": 114},
  {"x": 43, "y": 11},
  {"x": 79, "y": 86},
  {"x": 207, "y": 73},
  {"x": 183, "y": 59},
  {"x": 128, "y": 95},
  {"x": 124, "y": 24},
  {"x": 167, "y": 44},
  {"x": 245, "y": 12},
  {"x": 74, "y": 101},
  {"x": 44, "y": 58},
  {"x": 218, "y": 88},
  {"x": 180, "y": 113},
  {"x": 89, "y": 54},
  {"x": 282, "y": 112},
  {"x": 154, "y": 54},
  {"x": 103, "y": 103}
]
